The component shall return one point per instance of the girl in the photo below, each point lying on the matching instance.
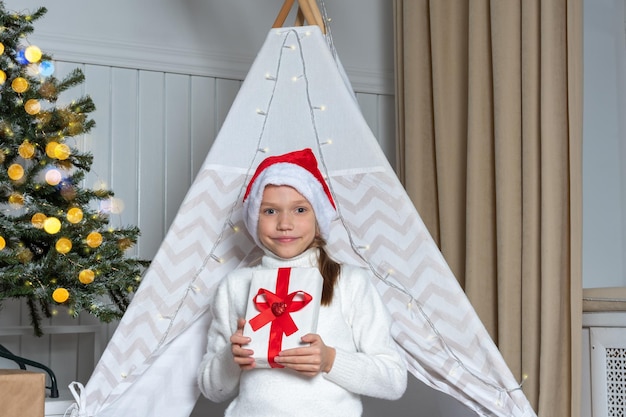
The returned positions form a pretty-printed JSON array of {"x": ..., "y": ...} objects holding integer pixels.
[{"x": 287, "y": 210}]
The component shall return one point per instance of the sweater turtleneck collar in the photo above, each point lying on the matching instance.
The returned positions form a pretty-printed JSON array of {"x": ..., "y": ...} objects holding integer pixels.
[{"x": 306, "y": 259}]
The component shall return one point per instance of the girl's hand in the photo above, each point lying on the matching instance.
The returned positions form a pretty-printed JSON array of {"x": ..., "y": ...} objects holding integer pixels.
[
  {"x": 309, "y": 360},
  {"x": 243, "y": 357}
]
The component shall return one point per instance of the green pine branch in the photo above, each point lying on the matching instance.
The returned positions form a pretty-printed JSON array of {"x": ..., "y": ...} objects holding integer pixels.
[{"x": 58, "y": 250}]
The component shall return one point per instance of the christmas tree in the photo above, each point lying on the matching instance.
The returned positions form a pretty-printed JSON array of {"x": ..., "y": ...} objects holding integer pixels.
[{"x": 56, "y": 243}]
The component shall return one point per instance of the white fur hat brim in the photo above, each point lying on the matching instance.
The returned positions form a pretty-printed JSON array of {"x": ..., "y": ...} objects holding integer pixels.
[{"x": 301, "y": 180}]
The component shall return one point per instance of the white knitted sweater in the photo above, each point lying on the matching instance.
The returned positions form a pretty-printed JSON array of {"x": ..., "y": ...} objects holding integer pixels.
[{"x": 356, "y": 324}]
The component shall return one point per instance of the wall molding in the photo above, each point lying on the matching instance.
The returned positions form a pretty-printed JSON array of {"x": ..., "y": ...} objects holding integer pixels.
[{"x": 190, "y": 61}]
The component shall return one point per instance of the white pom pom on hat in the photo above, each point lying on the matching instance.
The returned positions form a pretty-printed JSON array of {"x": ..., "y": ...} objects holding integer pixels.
[{"x": 296, "y": 169}]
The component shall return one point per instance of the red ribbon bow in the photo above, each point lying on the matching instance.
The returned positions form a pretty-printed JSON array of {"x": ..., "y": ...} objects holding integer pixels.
[{"x": 275, "y": 308}]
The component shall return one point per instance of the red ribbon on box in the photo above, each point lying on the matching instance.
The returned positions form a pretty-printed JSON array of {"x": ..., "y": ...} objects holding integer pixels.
[{"x": 275, "y": 308}]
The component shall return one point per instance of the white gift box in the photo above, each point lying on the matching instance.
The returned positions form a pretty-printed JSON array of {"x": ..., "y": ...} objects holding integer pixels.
[{"x": 283, "y": 306}]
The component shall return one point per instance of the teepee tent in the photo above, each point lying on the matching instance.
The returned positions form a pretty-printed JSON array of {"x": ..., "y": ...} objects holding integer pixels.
[{"x": 296, "y": 95}]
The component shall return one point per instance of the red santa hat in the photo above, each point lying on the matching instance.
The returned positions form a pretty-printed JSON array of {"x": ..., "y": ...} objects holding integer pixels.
[{"x": 296, "y": 169}]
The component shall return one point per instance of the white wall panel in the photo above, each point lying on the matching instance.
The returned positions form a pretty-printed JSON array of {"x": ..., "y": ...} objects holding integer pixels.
[
  {"x": 203, "y": 120},
  {"x": 98, "y": 86},
  {"x": 152, "y": 148},
  {"x": 124, "y": 162},
  {"x": 177, "y": 142},
  {"x": 225, "y": 93}
]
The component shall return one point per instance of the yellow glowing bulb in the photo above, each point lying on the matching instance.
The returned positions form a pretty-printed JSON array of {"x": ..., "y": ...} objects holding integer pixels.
[
  {"x": 94, "y": 239},
  {"x": 26, "y": 150},
  {"x": 3, "y": 77},
  {"x": 3, "y": 243},
  {"x": 16, "y": 199},
  {"x": 52, "y": 225},
  {"x": 50, "y": 147},
  {"x": 32, "y": 106},
  {"x": 63, "y": 245},
  {"x": 16, "y": 172},
  {"x": 1, "y": 48},
  {"x": 32, "y": 53},
  {"x": 74, "y": 215},
  {"x": 19, "y": 85},
  {"x": 62, "y": 151},
  {"x": 38, "y": 220},
  {"x": 53, "y": 177},
  {"x": 60, "y": 295},
  {"x": 86, "y": 276}
]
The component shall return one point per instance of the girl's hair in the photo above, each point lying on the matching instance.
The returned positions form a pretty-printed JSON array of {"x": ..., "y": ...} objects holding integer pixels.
[{"x": 329, "y": 269}]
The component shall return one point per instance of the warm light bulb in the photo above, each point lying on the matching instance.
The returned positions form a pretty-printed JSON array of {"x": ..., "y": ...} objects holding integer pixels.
[
  {"x": 62, "y": 151},
  {"x": 94, "y": 239},
  {"x": 3, "y": 77},
  {"x": 52, "y": 225},
  {"x": 74, "y": 215},
  {"x": 53, "y": 177},
  {"x": 32, "y": 106},
  {"x": 15, "y": 172},
  {"x": 60, "y": 295},
  {"x": 3, "y": 243},
  {"x": 86, "y": 276},
  {"x": 19, "y": 85},
  {"x": 32, "y": 53},
  {"x": 63, "y": 245},
  {"x": 26, "y": 150},
  {"x": 50, "y": 147},
  {"x": 38, "y": 220}
]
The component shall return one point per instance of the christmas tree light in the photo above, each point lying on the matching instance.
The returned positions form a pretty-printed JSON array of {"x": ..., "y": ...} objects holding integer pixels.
[{"x": 57, "y": 246}]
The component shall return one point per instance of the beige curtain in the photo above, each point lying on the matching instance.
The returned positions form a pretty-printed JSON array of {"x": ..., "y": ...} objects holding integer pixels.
[{"x": 489, "y": 109}]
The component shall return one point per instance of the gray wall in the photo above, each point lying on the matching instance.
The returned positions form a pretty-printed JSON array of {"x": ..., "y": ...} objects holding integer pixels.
[{"x": 604, "y": 144}]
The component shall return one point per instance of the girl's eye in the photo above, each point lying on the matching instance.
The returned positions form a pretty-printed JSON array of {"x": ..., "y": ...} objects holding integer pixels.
[
  {"x": 301, "y": 210},
  {"x": 269, "y": 211}
]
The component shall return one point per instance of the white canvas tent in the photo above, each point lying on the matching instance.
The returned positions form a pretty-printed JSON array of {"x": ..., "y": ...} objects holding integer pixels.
[{"x": 294, "y": 96}]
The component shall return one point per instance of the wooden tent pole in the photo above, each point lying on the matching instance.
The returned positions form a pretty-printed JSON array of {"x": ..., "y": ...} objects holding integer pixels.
[
  {"x": 319, "y": 20},
  {"x": 307, "y": 11},
  {"x": 283, "y": 13}
]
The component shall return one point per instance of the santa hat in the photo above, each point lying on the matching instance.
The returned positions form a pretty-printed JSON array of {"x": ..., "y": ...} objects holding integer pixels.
[{"x": 296, "y": 169}]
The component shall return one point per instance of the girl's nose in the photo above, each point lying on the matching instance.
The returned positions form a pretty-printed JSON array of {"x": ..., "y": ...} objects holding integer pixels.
[{"x": 284, "y": 222}]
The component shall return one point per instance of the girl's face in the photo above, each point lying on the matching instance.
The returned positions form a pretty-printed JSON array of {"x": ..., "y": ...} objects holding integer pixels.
[{"x": 287, "y": 224}]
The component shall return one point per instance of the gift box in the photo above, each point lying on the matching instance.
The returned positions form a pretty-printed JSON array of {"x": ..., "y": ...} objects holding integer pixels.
[
  {"x": 283, "y": 306},
  {"x": 22, "y": 393}
]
